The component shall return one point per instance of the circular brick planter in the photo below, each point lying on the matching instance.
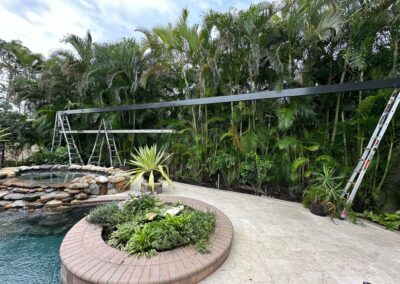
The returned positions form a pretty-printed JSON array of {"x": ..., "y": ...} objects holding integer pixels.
[{"x": 86, "y": 258}]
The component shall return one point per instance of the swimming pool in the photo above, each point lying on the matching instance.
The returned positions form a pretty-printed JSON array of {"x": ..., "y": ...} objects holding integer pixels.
[{"x": 30, "y": 242}]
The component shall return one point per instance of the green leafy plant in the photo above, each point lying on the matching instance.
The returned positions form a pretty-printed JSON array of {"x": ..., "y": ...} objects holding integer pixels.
[
  {"x": 4, "y": 134},
  {"x": 131, "y": 230},
  {"x": 326, "y": 187},
  {"x": 391, "y": 221},
  {"x": 105, "y": 215},
  {"x": 44, "y": 156},
  {"x": 149, "y": 161}
]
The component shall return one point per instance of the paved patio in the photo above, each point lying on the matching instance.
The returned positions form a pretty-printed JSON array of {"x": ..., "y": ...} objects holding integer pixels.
[{"x": 282, "y": 242}]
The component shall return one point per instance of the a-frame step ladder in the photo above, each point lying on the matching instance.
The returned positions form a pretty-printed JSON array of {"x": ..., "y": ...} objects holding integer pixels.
[
  {"x": 62, "y": 129},
  {"x": 102, "y": 134},
  {"x": 369, "y": 152}
]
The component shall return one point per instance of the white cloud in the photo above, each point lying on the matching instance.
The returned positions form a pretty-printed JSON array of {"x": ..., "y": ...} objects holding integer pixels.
[{"x": 41, "y": 24}]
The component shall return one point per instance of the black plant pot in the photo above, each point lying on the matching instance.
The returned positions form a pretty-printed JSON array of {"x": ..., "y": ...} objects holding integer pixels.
[
  {"x": 157, "y": 176},
  {"x": 317, "y": 209}
]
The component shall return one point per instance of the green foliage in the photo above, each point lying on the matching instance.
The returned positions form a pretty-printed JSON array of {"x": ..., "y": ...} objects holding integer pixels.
[
  {"x": 325, "y": 187},
  {"x": 105, "y": 215},
  {"x": 3, "y": 134},
  {"x": 44, "y": 156},
  {"x": 134, "y": 233},
  {"x": 122, "y": 234},
  {"x": 391, "y": 221},
  {"x": 263, "y": 47},
  {"x": 149, "y": 161},
  {"x": 19, "y": 129}
]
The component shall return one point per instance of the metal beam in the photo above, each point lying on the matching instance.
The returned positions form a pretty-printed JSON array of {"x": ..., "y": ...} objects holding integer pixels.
[
  {"x": 119, "y": 131},
  {"x": 329, "y": 89}
]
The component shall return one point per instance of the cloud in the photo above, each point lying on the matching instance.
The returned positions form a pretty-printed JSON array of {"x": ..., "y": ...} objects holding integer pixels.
[{"x": 41, "y": 24}]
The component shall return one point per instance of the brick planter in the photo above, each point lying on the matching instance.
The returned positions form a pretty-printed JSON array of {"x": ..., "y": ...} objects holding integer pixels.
[{"x": 86, "y": 258}]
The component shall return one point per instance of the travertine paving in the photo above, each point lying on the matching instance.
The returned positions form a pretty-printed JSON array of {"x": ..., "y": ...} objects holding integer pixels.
[{"x": 282, "y": 242}]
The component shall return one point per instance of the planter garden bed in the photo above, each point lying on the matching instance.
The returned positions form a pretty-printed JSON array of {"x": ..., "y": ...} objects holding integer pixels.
[{"x": 87, "y": 258}]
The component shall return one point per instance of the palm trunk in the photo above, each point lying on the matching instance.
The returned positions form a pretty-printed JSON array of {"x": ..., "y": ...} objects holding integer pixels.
[
  {"x": 395, "y": 56},
  {"x": 359, "y": 136},
  {"x": 344, "y": 140},
  {"x": 389, "y": 158},
  {"x": 336, "y": 119}
]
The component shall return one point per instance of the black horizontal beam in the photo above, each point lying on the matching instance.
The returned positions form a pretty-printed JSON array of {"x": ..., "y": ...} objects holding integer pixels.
[{"x": 329, "y": 89}]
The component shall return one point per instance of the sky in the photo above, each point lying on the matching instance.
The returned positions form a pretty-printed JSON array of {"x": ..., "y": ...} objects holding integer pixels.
[{"x": 42, "y": 24}]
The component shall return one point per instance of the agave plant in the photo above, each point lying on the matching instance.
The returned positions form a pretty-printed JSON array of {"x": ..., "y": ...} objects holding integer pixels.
[
  {"x": 149, "y": 162},
  {"x": 3, "y": 134}
]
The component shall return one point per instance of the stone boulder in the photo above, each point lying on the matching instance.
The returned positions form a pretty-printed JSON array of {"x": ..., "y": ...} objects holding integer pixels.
[
  {"x": 150, "y": 216},
  {"x": 68, "y": 199},
  {"x": 14, "y": 196},
  {"x": 3, "y": 175},
  {"x": 88, "y": 179},
  {"x": 34, "y": 205},
  {"x": 81, "y": 196},
  {"x": 19, "y": 204},
  {"x": 77, "y": 180},
  {"x": 101, "y": 179},
  {"x": 73, "y": 191},
  {"x": 47, "y": 197},
  {"x": 121, "y": 186},
  {"x": 61, "y": 195},
  {"x": 76, "y": 202},
  {"x": 4, "y": 203},
  {"x": 103, "y": 188},
  {"x": 53, "y": 203},
  {"x": 3, "y": 193},
  {"x": 24, "y": 168},
  {"x": 116, "y": 179},
  {"x": 94, "y": 189},
  {"x": 79, "y": 185},
  {"x": 20, "y": 190},
  {"x": 32, "y": 196},
  {"x": 48, "y": 190},
  {"x": 61, "y": 209},
  {"x": 75, "y": 167},
  {"x": 174, "y": 210}
]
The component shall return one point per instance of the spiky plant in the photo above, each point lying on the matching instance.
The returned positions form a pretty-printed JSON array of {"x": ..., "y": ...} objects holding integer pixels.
[{"x": 147, "y": 160}]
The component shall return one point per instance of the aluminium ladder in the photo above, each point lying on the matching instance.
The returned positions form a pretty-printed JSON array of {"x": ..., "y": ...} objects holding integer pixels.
[
  {"x": 369, "y": 152},
  {"x": 95, "y": 157},
  {"x": 63, "y": 127}
]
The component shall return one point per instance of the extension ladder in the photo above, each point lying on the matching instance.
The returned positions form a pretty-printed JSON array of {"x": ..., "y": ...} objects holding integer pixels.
[
  {"x": 95, "y": 157},
  {"x": 369, "y": 152},
  {"x": 63, "y": 128}
]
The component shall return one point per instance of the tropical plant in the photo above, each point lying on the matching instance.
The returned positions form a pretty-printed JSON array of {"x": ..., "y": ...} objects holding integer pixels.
[
  {"x": 326, "y": 186},
  {"x": 4, "y": 134},
  {"x": 147, "y": 162},
  {"x": 129, "y": 228},
  {"x": 391, "y": 221},
  {"x": 276, "y": 143}
]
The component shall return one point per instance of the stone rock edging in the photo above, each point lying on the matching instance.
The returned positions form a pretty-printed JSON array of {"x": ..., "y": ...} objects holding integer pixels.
[
  {"x": 19, "y": 194},
  {"x": 86, "y": 258}
]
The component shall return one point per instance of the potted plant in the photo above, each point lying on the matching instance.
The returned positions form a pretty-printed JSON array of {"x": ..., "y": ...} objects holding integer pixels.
[
  {"x": 317, "y": 207},
  {"x": 325, "y": 192},
  {"x": 149, "y": 164}
]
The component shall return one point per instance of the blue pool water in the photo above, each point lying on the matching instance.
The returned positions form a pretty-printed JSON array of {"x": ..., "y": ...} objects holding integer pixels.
[{"x": 29, "y": 245}]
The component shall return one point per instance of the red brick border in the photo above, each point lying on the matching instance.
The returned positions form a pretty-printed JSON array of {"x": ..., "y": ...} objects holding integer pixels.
[{"x": 86, "y": 258}]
